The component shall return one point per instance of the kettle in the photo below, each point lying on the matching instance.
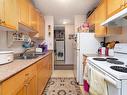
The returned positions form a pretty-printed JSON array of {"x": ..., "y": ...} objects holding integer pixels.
[{"x": 101, "y": 51}]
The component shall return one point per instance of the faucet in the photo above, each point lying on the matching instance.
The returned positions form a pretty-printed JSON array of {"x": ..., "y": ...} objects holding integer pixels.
[{"x": 23, "y": 54}]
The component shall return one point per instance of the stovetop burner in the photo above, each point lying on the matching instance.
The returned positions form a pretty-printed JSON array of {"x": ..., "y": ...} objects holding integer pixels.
[
  {"x": 110, "y": 58},
  {"x": 104, "y": 59},
  {"x": 115, "y": 62},
  {"x": 99, "y": 59},
  {"x": 119, "y": 68}
]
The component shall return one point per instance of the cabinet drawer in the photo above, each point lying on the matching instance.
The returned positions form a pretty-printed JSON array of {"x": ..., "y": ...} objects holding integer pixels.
[
  {"x": 30, "y": 71},
  {"x": 15, "y": 83}
]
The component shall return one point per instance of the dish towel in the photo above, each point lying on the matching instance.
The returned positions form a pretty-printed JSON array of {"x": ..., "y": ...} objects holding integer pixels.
[
  {"x": 86, "y": 71},
  {"x": 97, "y": 83},
  {"x": 86, "y": 84}
]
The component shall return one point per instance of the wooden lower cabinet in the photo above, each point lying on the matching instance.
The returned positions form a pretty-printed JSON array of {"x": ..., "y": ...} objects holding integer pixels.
[
  {"x": 44, "y": 70},
  {"x": 32, "y": 86},
  {"x": 30, "y": 81},
  {"x": 23, "y": 83}
]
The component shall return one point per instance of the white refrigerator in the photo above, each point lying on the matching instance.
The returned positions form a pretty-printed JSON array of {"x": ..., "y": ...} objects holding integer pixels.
[{"x": 84, "y": 43}]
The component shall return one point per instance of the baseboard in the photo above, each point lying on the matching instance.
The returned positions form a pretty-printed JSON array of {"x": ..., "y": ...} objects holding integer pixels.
[{"x": 63, "y": 67}]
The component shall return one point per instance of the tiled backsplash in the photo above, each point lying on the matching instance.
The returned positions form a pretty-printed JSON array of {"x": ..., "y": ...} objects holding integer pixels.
[{"x": 8, "y": 44}]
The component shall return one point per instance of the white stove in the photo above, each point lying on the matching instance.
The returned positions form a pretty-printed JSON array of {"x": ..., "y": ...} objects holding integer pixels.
[
  {"x": 118, "y": 79},
  {"x": 104, "y": 65}
]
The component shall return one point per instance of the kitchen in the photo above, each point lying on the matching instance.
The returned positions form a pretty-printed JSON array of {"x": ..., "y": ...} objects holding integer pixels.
[{"x": 95, "y": 47}]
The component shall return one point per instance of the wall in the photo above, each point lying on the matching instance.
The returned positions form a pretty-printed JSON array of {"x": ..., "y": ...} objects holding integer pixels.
[
  {"x": 121, "y": 38},
  {"x": 79, "y": 20},
  {"x": 49, "y": 20},
  {"x": 69, "y": 29}
]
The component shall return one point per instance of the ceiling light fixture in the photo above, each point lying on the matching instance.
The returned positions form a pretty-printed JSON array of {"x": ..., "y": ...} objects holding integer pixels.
[{"x": 64, "y": 22}]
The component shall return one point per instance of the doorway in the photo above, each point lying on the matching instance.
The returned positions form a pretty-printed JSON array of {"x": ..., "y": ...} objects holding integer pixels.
[{"x": 59, "y": 45}]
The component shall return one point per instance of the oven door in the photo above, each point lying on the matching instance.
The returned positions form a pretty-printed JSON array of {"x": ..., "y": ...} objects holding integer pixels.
[{"x": 113, "y": 85}]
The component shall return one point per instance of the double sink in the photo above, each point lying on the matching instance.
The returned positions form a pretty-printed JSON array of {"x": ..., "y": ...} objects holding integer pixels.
[{"x": 29, "y": 56}]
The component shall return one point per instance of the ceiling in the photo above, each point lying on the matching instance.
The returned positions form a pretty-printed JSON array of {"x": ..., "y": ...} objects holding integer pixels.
[{"x": 64, "y": 10}]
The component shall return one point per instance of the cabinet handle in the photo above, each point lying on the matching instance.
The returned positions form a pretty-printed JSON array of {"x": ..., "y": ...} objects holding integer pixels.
[
  {"x": 121, "y": 6},
  {"x": 27, "y": 74},
  {"x": 26, "y": 84},
  {"x": 3, "y": 22},
  {"x": 123, "y": 3}
]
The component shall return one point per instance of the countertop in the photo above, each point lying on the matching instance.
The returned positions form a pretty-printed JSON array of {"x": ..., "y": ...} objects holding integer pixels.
[{"x": 10, "y": 69}]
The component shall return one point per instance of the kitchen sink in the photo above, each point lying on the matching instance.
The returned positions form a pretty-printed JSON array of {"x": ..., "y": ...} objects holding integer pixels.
[{"x": 27, "y": 57}]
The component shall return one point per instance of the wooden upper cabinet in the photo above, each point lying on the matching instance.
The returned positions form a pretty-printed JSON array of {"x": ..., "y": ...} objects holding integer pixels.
[
  {"x": 91, "y": 19},
  {"x": 43, "y": 27},
  {"x": 114, "y": 6},
  {"x": 10, "y": 14},
  {"x": 32, "y": 17},
  {"x": 40, "y": 26},
  {"x": 8, "y": 18},
  {"x": 23, "y": 11},
  {"x": 100, "y": 16},
  {"x": 1, "y": 10}
]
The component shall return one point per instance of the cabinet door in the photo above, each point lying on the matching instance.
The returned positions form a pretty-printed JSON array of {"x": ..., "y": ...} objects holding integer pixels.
[
  {"x": 10, "y": 14},
  {"x": 1, "y": 10},
  {"x": 43, "y": 26},
  {"x": 32, "y": 17},
  {"x": 20, "y": 91},
  {"x": 50, "y": 64},
  {"x": 31, "y": 87},
  {"x": 100, "y": 16},
  {"x": 114, "y": 6},
  {"x": 14, "y": 85},
  {"x": 91, "y": 19},
  {"x": 40, "y": 76},
  {"x": 40, "y": 26},
  {"x": 43, "y": 73},
  {"x": 23, "y": 11}
]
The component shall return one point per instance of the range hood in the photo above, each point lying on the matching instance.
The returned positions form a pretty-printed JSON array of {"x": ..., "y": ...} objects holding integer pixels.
[{"x": 119, "y": 19}]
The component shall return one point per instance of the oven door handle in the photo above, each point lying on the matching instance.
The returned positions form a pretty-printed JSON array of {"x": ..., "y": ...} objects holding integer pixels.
[{"x": 109, "y": 79}]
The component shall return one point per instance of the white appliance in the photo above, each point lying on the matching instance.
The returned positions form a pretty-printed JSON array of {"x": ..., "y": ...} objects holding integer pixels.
[
  {"x": 60, "y": 50},
  {"x": 84, "y": 43},
  {"x": 114, "y": 72},
  {"x": 6, "y": 57}
]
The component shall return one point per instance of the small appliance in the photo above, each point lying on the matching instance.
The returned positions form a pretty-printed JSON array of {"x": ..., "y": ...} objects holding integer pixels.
[
  {"x": 101, "y": 51},
  {"x": 6, "y": 57}
]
